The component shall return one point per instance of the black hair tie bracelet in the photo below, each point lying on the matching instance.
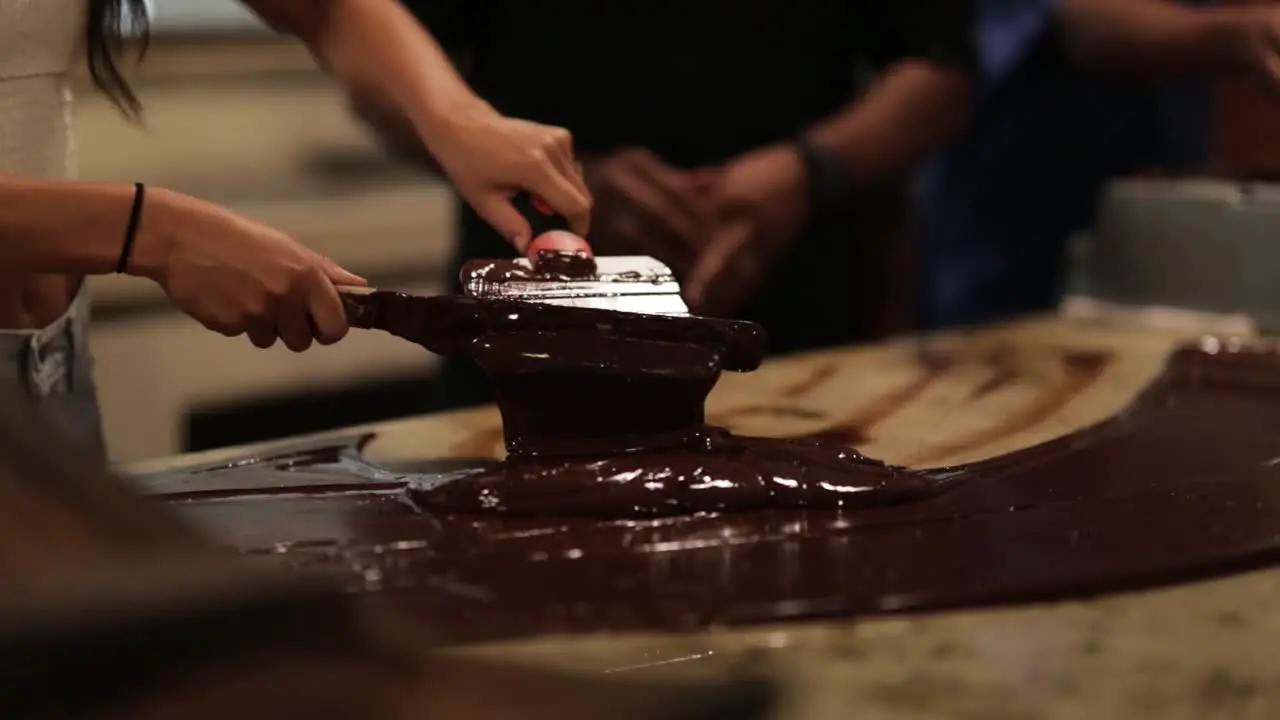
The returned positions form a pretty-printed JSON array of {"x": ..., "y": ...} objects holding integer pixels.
[{"x": 131, "y": 231}]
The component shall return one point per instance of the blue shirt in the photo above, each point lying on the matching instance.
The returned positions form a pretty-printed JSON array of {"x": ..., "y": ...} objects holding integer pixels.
[{"x": 993, "y": 213}]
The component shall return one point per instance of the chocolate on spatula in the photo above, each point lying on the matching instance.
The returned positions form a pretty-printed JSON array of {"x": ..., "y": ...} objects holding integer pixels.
[{"x": 628, "y": 297}]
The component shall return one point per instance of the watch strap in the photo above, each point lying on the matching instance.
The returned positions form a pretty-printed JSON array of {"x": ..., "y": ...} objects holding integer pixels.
[{"x": 830, "y": 184}]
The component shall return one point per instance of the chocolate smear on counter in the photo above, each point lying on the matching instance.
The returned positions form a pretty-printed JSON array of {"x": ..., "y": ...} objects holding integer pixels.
[{"x": 619, "y": 508}]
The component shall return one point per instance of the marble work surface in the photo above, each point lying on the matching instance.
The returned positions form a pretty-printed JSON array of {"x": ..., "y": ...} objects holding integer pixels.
[{"x": 1200, "y": 650}]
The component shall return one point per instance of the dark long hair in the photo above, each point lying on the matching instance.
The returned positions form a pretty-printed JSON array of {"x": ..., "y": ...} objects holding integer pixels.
[{"x": 105, "y": 37}]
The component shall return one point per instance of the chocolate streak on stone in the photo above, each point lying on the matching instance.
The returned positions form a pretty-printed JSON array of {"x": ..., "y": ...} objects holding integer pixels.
[
  {"x": 855, "y": 428},
  {"x": 814, "y": 380},
  {"x": 1183, "y": 484},
  {"x": 1079, "y": 371}
]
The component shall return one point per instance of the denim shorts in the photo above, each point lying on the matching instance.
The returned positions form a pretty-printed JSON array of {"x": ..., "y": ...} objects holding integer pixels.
[{"x": 54, "y": 367}]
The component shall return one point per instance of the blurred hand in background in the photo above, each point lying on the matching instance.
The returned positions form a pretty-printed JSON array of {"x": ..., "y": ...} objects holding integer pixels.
[
  {"x": 761, "y": 206},
  {"x": 1257, "y": 32},
  {"x": 643, "y": 206}
]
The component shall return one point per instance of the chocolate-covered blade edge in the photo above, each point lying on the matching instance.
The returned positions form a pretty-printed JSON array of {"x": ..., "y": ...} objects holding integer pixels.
[
  {"x": 448, "y": 324},
  {"x": 635, "y": 283}
]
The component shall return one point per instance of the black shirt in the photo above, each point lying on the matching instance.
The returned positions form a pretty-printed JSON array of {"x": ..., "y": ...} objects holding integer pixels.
[{"x": 695, "y": 81}]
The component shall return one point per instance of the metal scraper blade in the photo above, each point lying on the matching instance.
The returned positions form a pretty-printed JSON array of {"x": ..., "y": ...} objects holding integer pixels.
[{"x": 632, "y": 284}]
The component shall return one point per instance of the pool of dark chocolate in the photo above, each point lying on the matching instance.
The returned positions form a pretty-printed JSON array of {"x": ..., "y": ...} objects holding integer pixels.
[{"x": 1183, "y": 484}]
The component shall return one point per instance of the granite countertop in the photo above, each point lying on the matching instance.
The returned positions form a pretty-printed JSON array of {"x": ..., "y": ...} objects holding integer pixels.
[{"x": 1199, "y": 650}]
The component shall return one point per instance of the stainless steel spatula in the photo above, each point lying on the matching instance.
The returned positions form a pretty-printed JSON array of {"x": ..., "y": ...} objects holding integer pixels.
[
  {"x": 633, "y": 297},
  {"x": 630, "y": 283}
]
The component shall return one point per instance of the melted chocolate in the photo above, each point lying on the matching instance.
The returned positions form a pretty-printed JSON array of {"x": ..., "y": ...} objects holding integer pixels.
[
  {"x": 577, "y": 394},
  {"x": 1185, "y": 483},
  {"x": 706, "y": 471},
  {"x": 548, "y": 266},
  {"x": 614, "y": 427},
  {"x": 618, "y": 507},
  {"x": 449, "y": 325}
]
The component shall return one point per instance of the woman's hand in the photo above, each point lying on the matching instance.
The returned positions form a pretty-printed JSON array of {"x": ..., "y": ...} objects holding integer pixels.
[
  {"x": 490, "y": 157},
  {"x": 389, "y": 63},
  {"x": 237, "y": 276}
]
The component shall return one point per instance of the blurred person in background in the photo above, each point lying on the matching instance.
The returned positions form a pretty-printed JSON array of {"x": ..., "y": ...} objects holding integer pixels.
[
  {"x": 1072, "y": 94},
  {"x": 731, "y": 140},
  {"x": 233, "y": 275}
]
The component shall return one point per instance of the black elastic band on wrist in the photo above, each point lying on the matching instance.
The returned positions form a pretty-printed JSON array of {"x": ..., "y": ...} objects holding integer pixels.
[{"x": 131, "y": 231}]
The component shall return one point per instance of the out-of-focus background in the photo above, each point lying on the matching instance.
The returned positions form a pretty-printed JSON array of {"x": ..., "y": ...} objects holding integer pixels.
[{"x": 240, "y": 116}]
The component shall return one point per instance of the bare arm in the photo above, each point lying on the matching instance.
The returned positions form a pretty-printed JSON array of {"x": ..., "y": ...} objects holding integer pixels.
[
  {"x": 386, "y": 58},
  {"x": 922, "y": 99},
  {"x": 911, "y": 112},
  {"x": 39, "y": 233},
  {"x": 1153, "y": 37},
  {"x": 394, "y": 132},
  {"x": 380, "y": 52}
]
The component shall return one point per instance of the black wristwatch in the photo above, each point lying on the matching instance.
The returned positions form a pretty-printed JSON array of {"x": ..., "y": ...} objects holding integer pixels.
[{"x": 830, "y": 184}]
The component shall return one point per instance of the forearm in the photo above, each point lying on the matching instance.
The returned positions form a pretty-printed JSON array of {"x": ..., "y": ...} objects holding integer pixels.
[
  {"x": 913, "y": 111},
  {"x": 1151, "y": 37},
  {"x": 395, "y": 132},
  {"x": 70, "y": 228},
  {"x": 380, "y": 52}
]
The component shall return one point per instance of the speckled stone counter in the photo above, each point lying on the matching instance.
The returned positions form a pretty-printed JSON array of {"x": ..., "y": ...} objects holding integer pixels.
[{"x": 1206, "y": 649}]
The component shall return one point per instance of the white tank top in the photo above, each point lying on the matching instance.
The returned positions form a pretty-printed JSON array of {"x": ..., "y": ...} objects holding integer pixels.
[{"x": 40, "y": 42}]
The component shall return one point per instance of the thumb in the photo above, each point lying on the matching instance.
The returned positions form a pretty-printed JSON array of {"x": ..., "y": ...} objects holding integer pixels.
[
  {"x": 339, "y": 276},
  {"x": 498, "y": 211}
]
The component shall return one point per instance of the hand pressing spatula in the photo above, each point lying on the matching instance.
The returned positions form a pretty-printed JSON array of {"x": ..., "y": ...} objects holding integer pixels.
[{"x": 634, "y": 297}]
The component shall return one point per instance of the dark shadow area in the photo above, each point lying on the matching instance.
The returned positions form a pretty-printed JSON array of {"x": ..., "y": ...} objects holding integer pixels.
[{"x": 314, "y": 411}]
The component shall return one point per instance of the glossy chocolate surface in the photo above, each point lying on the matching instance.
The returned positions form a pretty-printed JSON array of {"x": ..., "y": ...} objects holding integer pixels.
[
  {"x": 499, "y": 303},
  {"x": 1183, "y": 484},
  {"x": 610, "y": 427},
  {"x": 448, "y": 325},
  {"x": 548, "y": 265}
]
